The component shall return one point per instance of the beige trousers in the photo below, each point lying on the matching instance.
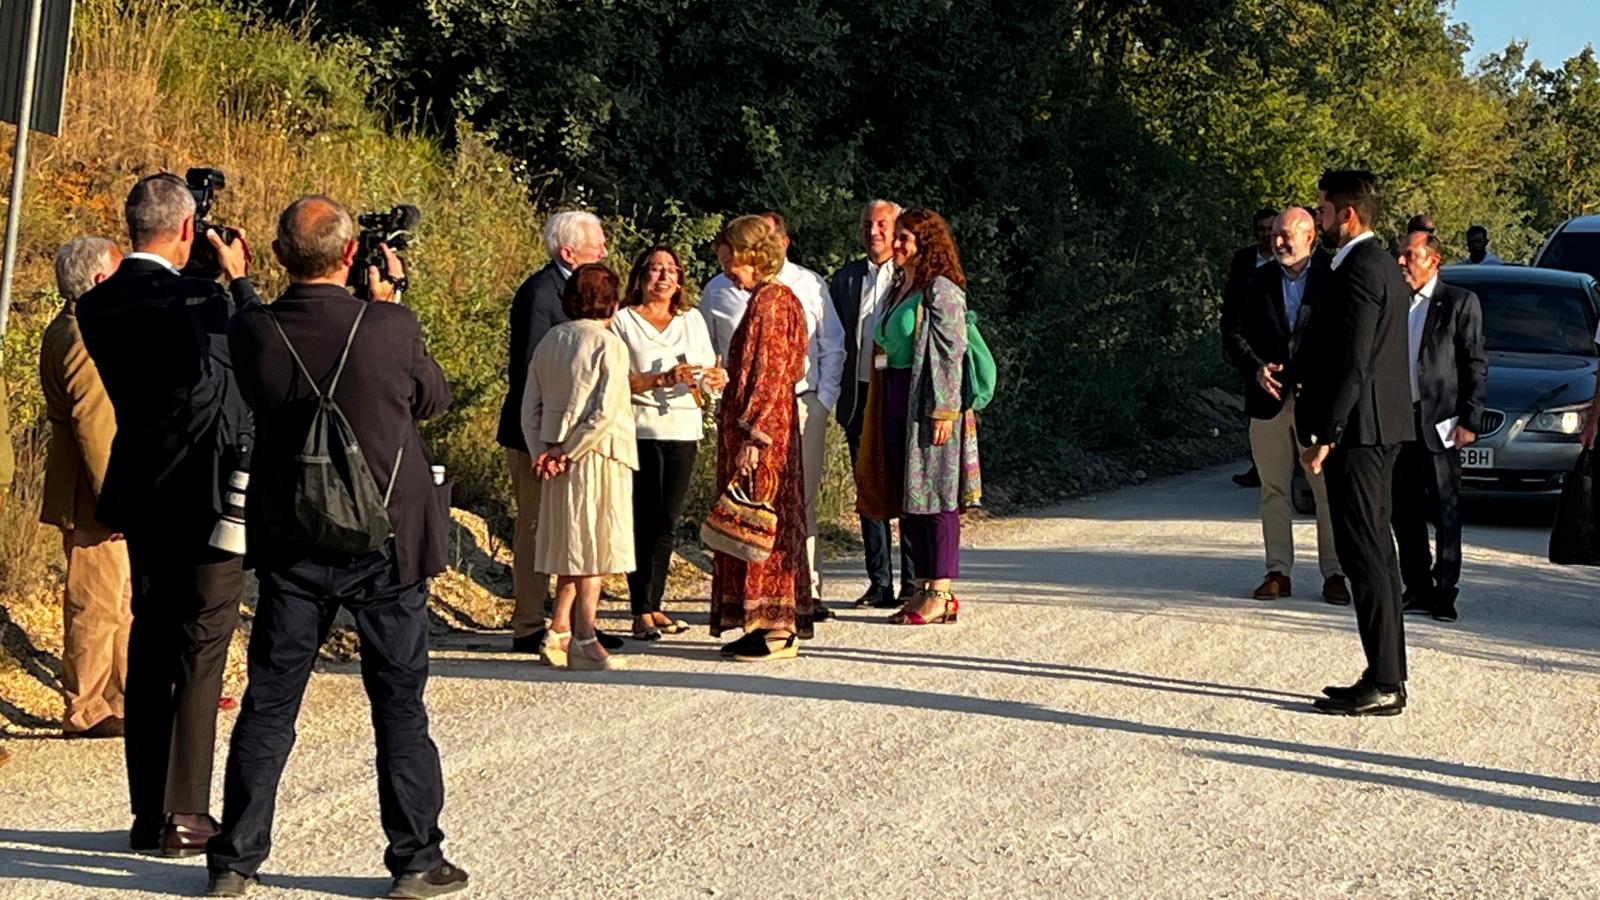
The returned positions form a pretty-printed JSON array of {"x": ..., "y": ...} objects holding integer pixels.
[
  {"x": 532, "y": 588},
  {"x": 96, "y": 613},
  {"x": 813, "y": 445},
  {"x": 1275, "y": 449}
]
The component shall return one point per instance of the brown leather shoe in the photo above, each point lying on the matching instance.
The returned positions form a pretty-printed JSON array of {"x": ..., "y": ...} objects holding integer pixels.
[
  {"x": 1274, "y": 587},
  {"x": 109, "y": 727},
  {"x": 187, "y": 839},
  {"x": 1335, "y": 592}
]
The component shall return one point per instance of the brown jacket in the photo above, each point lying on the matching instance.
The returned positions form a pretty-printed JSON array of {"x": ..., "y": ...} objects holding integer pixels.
[{"x": 81, "y": 426}]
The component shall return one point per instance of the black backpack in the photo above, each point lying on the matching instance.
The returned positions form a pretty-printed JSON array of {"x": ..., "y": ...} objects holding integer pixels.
[{"x": 336, "y": 505}]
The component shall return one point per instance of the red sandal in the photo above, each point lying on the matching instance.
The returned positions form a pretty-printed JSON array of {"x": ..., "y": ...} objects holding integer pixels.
[{"x": 952, "y": 607}]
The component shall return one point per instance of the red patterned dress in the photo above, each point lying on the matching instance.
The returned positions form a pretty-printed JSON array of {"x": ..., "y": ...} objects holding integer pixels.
[{"x": 766, "y": 356}]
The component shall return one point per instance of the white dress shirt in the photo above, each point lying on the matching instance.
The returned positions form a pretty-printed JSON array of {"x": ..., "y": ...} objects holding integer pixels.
[
  {"x": 1416, "y": 320},
  {"x": 665, "y": 414},
  {"x": 1489, "y": 259},
  {"x": 156, "y": 258},
  {"x": 1345, "y": 250},
  {"x": 877, "y": 284},
  {"x": 723, "y": 305}
]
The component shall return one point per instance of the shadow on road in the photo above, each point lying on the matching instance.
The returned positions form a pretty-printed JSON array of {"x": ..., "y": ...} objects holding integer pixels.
[
  {"x": 102, "y": 860},
  {"x": 1410, "y": 767}
]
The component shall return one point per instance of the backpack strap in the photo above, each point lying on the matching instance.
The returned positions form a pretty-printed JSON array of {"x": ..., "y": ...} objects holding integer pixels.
[{"x": 344, "y": 355}]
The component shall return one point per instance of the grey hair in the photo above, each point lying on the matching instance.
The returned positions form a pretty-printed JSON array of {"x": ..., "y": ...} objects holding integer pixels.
[
  {"x": 866, "y": 211},
  {"x": 78, "y": 261},
  {"x": 156, "y": 208},
  {"x": 567, "y": 229},
  {"x": 312, "y": 234}
]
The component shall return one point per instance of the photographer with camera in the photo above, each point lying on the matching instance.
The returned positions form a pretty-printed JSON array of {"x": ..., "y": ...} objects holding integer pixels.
[
  {"x": 342, "y": 511},
  {"x": 159, "y": 341}
]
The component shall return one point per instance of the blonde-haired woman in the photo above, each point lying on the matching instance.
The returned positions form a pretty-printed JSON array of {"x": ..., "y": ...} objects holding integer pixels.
[{"x": 758, "y": 446}]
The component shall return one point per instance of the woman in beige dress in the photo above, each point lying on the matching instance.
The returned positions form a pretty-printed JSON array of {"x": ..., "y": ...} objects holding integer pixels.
[{"x": 578, "y": 419}]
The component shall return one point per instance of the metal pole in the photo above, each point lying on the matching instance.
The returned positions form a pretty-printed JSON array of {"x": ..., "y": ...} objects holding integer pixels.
[{"x": 19, "y": 159}]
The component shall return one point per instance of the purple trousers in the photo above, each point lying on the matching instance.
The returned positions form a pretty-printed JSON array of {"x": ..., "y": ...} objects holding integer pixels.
[{"x": 934, "y": 539}]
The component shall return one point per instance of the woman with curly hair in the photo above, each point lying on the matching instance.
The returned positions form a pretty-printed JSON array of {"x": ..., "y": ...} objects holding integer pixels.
[
  {"x": 920, "y": 464},
  {"x": 674, "y": 368},
  {"x": 758, "y": 450}
]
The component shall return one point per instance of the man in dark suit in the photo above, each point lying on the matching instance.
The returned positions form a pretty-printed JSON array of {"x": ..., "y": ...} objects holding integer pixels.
[
  {"x": 157, "y": 338},
  {"x": 1245, "y": 261},
  {"x": 571, "y": 239},
  {"x": 859, "y": 290},
  {"x": 315, "y": 340},
  {"x": 1449, "y": 386},
  {"x": 1354, "y": 413},
  {"x": 1268, "y": 333}
]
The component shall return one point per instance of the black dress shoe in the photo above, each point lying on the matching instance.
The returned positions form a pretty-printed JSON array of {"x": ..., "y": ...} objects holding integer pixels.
[
  {"x": 437, "y": 881},
  {"x": 820, "y": 613},
  {"x": 228, "y": 883},
  {"x": 1415, "y": 603},
  {"x": 109, "y": 727},
  {"x": 1250, "y": 479},
  {"x": 608, "y": 641},
  {"x": 887, "y": 600},
  {"x": 145, "y": 835},
  {"x": 528, "y": 643},
  {"x": 1444, "y": 611},
  {"x": 872, "y": 595},
  {"x": 1369, "y": 701}
]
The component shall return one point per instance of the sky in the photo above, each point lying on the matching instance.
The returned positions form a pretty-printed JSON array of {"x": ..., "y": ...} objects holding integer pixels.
[{"x": 1555, "y": 29}]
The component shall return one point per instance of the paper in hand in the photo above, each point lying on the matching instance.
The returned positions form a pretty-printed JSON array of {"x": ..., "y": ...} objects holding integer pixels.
[{"x": 1445, "y": 428}]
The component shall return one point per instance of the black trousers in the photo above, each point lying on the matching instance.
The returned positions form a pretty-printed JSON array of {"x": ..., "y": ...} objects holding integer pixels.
[
  {"x": 296, "y": 609},
  {"x": 1427, "y": 490},
  {"x": 875, "y": 532},
  {"x": 185, "y": 610},
  {"x": 1359, "y": 481},
  {"x": 659, "y": 489}
]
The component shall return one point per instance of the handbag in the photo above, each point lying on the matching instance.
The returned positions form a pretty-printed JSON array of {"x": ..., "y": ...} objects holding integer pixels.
[
  {"x": 978, "y": 372},
  {"x": 740, "y": 526},
  {"x": 1573, "y": 539}
]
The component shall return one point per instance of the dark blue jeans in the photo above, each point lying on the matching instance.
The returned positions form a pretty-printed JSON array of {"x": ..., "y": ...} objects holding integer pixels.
[
  {"x": 875, "y": 532},
  {"x": 293, "y": 615}
]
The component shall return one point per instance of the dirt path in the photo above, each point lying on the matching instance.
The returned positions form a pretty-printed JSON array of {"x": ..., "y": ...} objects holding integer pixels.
[{"x": 1112, "y": 718}]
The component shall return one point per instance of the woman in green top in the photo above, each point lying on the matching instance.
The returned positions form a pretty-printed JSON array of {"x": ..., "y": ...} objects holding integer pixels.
[{"x": 924, "y": 467}]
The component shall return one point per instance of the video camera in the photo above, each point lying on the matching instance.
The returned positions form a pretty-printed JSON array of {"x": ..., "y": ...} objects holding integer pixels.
[
  {"x": 393, "y": 228},
  {"x": 204, "y": 184}
]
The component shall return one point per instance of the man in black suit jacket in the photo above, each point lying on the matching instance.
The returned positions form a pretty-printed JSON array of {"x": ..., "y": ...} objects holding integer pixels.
[
  {"x": 571, "y": 239},
  {"x": 859, "y": 290},
  {"x": 369, "y": 357},
  {"x": 157, "y": 338},
  {"x": 1265, "y": 344},
  {"x": 1241, "y": 267},
  {"x": 1354, "y": 413},
  {"x": 1449, "y": 385}
]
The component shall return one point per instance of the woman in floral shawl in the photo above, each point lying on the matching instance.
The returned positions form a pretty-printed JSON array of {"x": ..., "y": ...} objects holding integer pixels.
[
  {"x": 920, "y": 463},
  {"x": 758, "y": 446}
]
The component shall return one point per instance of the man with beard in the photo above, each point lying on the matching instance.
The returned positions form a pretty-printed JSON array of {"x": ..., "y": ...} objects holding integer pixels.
[{"x": 1353, "y": 411}]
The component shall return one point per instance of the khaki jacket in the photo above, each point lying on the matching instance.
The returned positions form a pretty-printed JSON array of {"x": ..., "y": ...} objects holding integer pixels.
[
  {"x": 577, "y": 394},
  {"x": 82, "y": 425}
]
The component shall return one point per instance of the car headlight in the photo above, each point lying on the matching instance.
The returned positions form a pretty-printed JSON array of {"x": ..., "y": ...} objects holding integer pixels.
[{"x": 1561, "y": 420}]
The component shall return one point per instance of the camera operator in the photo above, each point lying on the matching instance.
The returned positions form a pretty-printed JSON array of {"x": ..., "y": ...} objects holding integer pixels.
[
  {"x": 316, "y": 341},
  {"x": 158, "y": 340}
]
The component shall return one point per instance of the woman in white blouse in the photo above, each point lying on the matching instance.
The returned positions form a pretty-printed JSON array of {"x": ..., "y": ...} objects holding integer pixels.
[
  {"x": 673, "y": 368},
  {"x": 576, "y": 418}
]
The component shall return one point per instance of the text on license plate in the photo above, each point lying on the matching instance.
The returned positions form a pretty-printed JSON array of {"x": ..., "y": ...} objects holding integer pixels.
[{"x": 1477, "y": 457}]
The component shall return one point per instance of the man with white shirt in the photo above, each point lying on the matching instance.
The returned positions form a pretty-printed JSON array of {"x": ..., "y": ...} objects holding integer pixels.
[
  {"x": 1353, "y": 412},
  {"x": 859, "y": 290},
  {"x": 817, "y": 392},
  {"x": 1449, "y": 373},
  {"x": 1478, "y": 249}
]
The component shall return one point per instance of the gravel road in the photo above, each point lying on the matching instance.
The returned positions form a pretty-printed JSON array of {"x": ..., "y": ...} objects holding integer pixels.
[{"x": 1113, "y": 717}]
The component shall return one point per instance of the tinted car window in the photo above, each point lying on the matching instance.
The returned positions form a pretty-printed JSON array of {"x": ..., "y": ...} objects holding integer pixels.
[
  {"x": 1574, "y": 252},
  {"x": 1533, "y": 318}
]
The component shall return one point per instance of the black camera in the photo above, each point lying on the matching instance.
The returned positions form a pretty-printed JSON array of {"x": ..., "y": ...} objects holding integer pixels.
[
  {"x": 377, "y": 228},
  {"x": 203, "y": 262}
]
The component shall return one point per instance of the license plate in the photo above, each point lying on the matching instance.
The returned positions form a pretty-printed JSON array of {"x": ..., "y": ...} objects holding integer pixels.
[{"x": 1477, "y": 458}]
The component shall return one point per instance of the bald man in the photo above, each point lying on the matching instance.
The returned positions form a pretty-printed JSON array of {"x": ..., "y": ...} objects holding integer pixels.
[{"x": 1264, "y": 341}]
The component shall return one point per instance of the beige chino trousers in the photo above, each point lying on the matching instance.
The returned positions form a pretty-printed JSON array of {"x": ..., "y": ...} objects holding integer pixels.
[
  {"x": 1274, "y": 448},
  {"x": 96, "y": 612},
  {"x": 532, "y": 589}
]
